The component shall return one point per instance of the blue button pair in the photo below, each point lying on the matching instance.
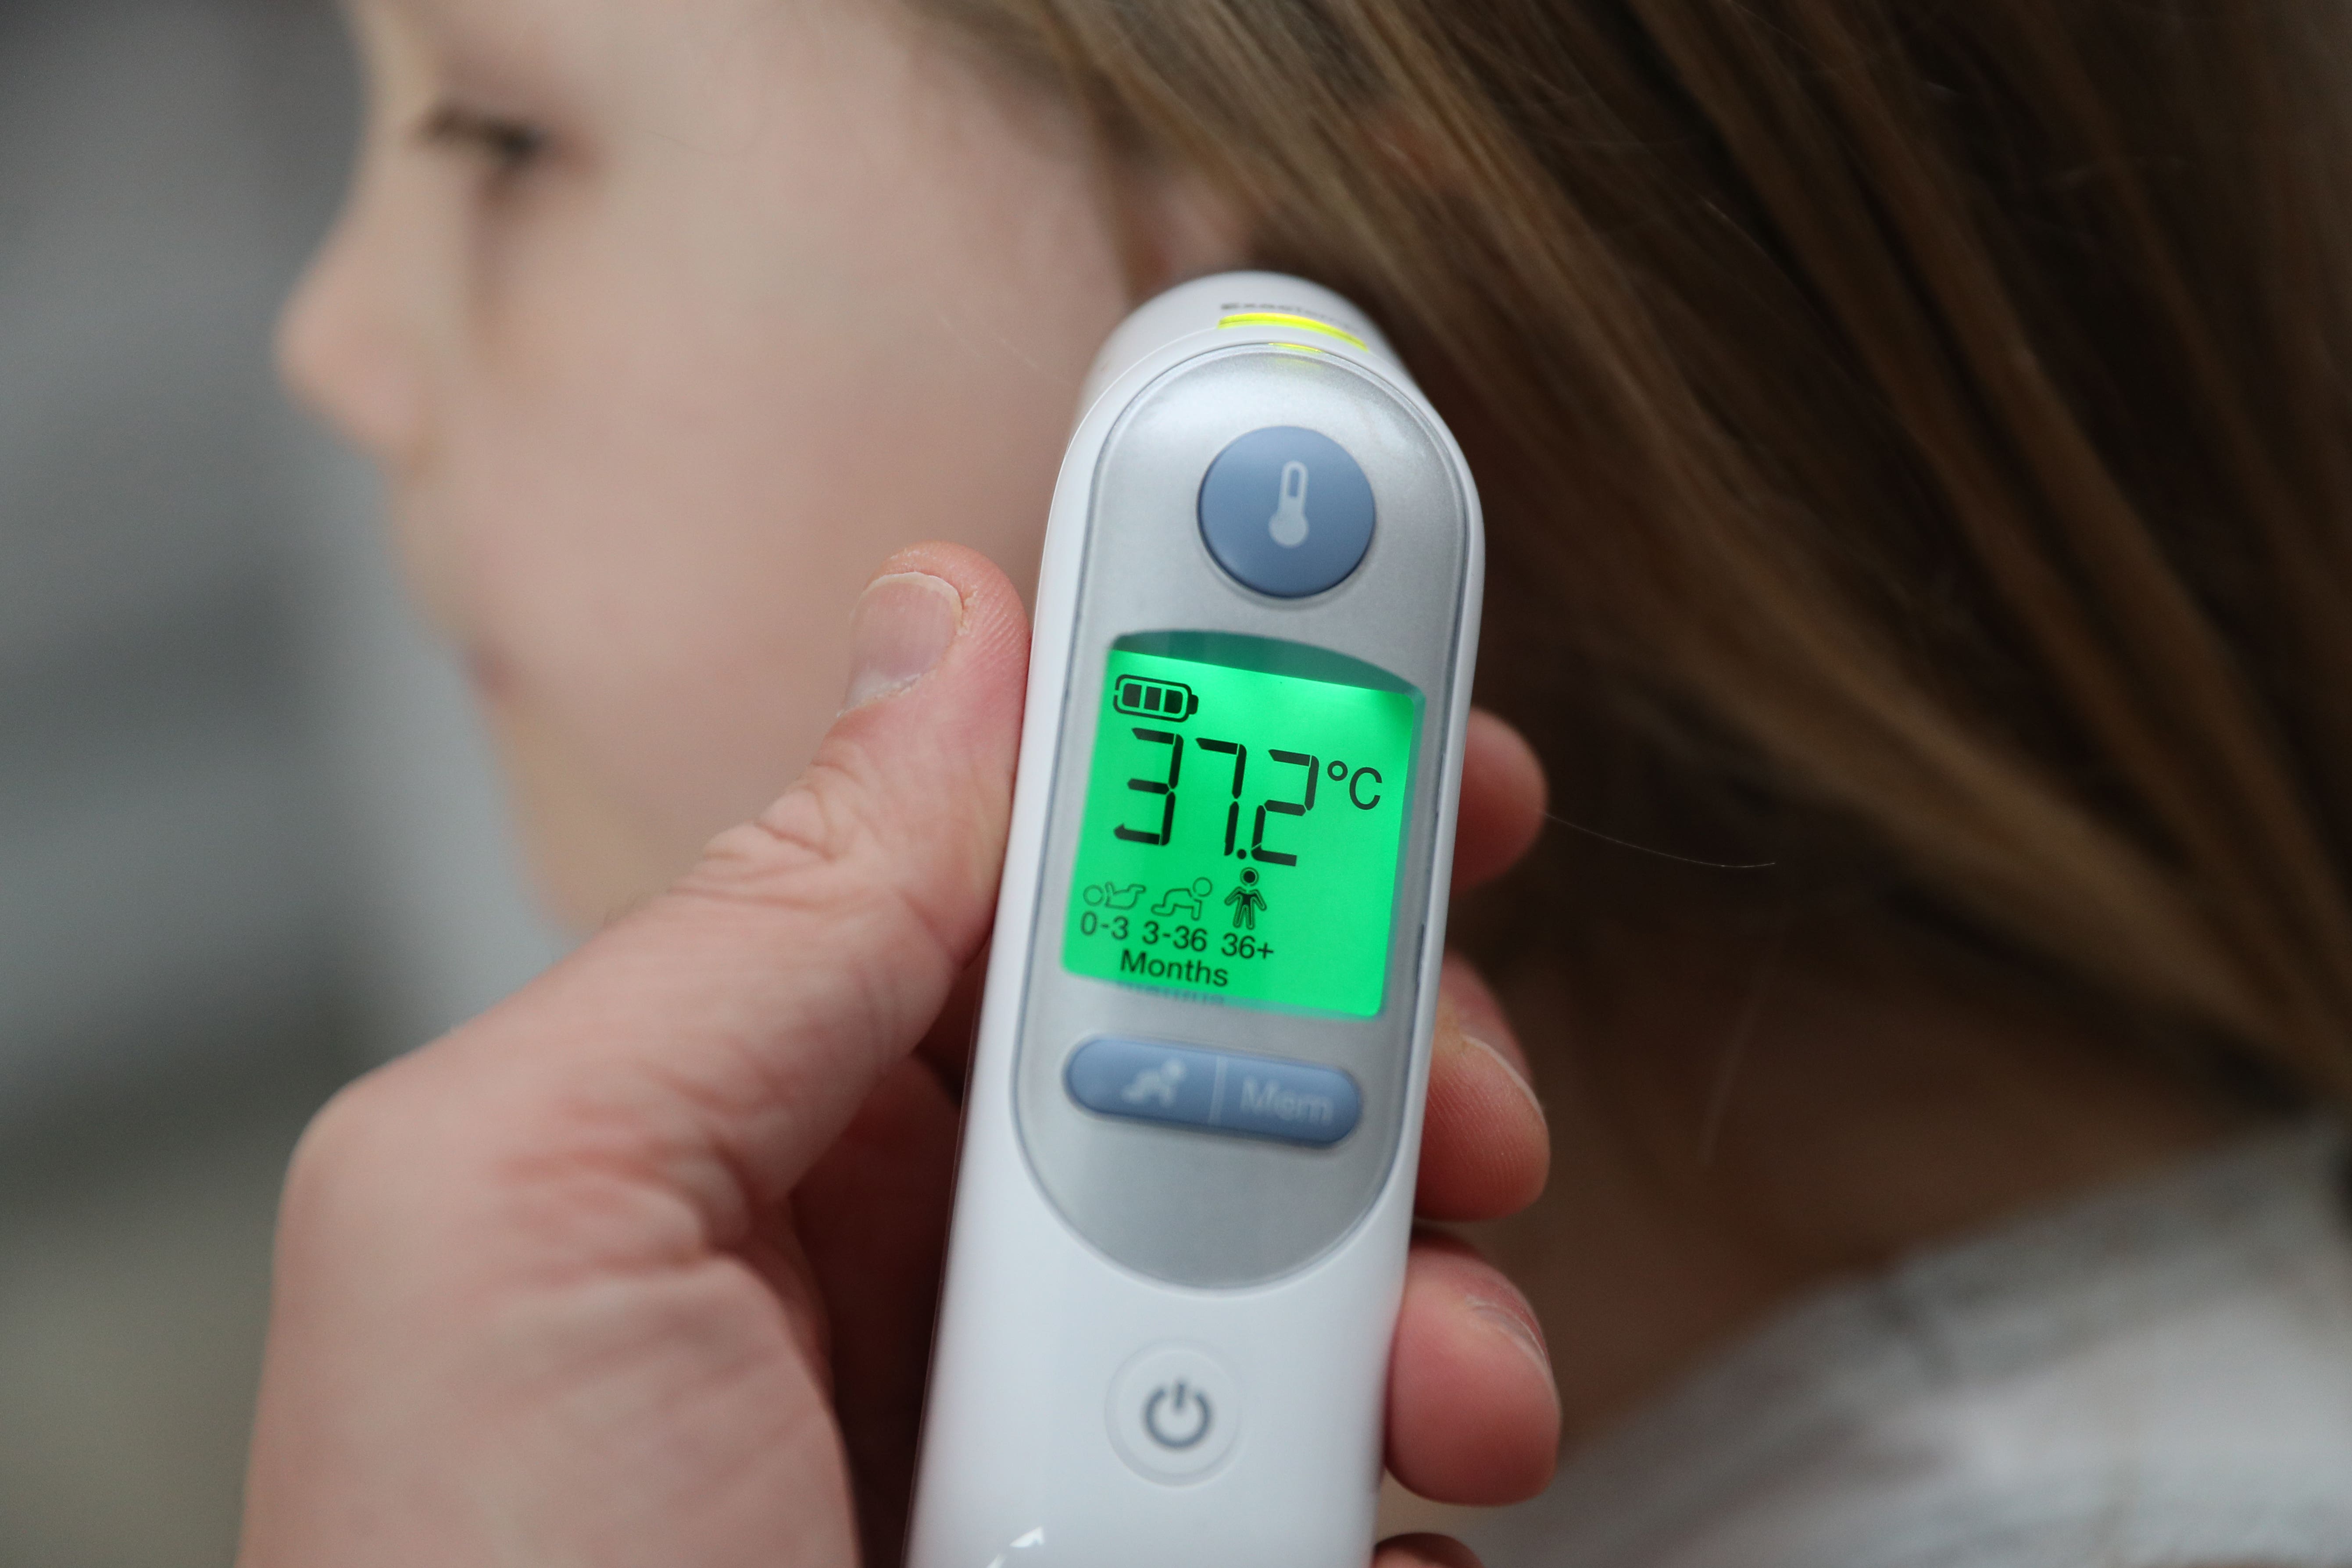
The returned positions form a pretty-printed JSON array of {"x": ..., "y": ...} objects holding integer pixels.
[{"x": 1216, "y": 1091}]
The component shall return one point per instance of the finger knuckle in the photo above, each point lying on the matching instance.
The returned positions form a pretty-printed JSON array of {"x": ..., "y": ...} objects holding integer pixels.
[
  {"x": 824, "y": 854},
  {"x": 816, "y": 843},
  {"x": 350, "y": 1152}
]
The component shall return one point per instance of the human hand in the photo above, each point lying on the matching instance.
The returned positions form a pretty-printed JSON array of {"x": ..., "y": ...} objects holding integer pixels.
[{"x": 639, "y": 1266}]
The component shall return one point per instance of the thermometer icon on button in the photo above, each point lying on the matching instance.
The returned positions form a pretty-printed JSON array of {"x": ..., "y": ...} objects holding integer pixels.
[{"x": 1289, "y": 524}]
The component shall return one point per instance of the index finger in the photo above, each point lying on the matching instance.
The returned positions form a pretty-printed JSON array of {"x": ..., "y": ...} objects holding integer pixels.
[{"x": 1503, "y": 798}]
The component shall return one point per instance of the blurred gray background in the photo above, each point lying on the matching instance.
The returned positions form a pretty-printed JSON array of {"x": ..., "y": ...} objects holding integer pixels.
[{"x": 249, "y": 842}]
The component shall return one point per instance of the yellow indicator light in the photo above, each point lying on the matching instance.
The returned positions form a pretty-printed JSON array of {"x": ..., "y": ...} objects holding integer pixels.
[{"x": 1283, "y": 319}]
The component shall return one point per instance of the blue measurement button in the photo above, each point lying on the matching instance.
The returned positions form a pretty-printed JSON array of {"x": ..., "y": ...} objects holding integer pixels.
[
  {"x": 1216, "y": 1091},
  {"x": 1287, "y": 511}
]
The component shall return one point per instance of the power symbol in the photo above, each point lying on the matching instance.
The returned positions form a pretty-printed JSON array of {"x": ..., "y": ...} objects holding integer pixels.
[{"x": 1181, "y": 1428}]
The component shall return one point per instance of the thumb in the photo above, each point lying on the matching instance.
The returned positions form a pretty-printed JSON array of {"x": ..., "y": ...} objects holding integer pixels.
[{"x": 718, "y": 1039}]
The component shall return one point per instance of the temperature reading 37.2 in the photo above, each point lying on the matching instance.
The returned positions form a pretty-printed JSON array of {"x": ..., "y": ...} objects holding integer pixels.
[{"x": 1244, "y": 811}]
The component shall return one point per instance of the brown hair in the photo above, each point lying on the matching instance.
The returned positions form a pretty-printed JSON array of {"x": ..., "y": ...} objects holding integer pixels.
[{"x": 1915, "y": 434}]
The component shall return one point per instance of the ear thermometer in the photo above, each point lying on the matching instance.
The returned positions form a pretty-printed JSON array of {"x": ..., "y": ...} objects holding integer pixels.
[{"x": 1194, "y": 1120}]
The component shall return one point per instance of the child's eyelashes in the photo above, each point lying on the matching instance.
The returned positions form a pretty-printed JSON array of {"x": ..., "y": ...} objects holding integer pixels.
[{"x": 508, "y": 145}]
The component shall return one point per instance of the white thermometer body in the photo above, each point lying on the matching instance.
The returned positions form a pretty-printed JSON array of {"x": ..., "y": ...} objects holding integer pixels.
[{"x": 1190, "y": 1136}]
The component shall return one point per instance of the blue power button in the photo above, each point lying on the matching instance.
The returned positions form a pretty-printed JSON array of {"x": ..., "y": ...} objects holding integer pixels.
[{"x": 1286, "y": 512}]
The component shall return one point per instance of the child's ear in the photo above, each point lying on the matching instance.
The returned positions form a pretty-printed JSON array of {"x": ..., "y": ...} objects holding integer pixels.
[{"x": 1176, "y": 225}]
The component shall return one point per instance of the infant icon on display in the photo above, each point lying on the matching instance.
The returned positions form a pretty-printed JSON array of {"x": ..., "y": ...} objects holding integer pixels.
[{"x": 1189, "y": 1159}]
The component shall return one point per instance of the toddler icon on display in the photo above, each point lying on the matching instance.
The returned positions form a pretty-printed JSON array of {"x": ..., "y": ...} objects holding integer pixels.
[{"x": 1191, "y": 902}]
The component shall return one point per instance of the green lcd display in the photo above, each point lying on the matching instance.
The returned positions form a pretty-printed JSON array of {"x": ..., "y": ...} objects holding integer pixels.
[{"x": 1245, "y": 807}]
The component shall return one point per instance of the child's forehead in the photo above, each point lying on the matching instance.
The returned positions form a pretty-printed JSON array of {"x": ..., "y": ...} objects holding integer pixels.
[
  {"x": 581, "y": 46},
  {"x": 533, "y": 56},
  {"x": 517, "y": 25}
]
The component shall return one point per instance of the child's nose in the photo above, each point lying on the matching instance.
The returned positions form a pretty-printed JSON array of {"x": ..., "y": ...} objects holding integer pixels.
[{"x": 341, "y": 352}]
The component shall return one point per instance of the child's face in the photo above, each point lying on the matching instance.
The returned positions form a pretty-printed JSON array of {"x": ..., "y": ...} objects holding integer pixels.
[{"x": 667, "y": 319}]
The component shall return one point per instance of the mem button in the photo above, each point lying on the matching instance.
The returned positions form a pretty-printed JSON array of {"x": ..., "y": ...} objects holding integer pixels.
[{"x": 1215, "y": 1092}]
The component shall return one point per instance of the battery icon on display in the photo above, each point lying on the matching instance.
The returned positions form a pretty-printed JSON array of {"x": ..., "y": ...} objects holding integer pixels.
[{"x": 1169, "y": 700}]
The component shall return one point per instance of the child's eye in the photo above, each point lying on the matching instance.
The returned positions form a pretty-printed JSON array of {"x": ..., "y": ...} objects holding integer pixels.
[{"x": 508, "y": 145}]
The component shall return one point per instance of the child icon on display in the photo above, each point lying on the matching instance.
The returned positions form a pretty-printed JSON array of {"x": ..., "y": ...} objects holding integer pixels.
[{"x": 1246, "y": 901}]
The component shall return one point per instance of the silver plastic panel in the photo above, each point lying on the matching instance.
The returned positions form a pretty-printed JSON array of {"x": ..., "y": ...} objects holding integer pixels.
[{"x": 1180, "y": 1206}]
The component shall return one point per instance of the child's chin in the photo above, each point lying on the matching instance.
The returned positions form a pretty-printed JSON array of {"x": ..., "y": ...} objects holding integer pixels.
[{"x": 588, "y": 858}]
